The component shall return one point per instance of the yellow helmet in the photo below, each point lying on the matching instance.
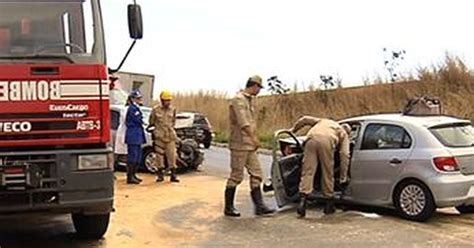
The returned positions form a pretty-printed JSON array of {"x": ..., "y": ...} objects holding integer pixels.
[{"x": 166, "y": 95}]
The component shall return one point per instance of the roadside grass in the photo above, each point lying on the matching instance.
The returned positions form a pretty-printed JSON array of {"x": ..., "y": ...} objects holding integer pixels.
[
  {"x": 221, "y": 137},
  {"x": 265, "y": 139},
  {"x": 451, "y": 81}
]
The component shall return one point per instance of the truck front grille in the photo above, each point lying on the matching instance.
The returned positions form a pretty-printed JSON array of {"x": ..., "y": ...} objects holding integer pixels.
[{"x": 19, "y": 172}]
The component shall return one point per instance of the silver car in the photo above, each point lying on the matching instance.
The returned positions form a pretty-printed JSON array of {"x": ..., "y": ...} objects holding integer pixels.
[{"x": 409, "y": 163}]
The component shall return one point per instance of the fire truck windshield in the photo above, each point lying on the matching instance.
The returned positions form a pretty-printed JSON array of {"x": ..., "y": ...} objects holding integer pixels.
[{"x": 51, "y": 30}]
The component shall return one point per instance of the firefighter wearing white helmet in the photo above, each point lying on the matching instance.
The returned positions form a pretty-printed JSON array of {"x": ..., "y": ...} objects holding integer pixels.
[{"x": 163, "y": 119}]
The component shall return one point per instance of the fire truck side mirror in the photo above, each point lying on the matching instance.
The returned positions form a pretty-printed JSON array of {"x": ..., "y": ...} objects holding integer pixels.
[{"x": 135, "y": 23}]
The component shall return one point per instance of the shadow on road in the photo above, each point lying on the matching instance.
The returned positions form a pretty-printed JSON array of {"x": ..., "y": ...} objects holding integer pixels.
[{"x": 40, "y": 231}]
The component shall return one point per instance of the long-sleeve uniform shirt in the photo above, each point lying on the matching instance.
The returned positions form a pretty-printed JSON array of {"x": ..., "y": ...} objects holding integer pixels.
[
  {"x": 328, "y": 128},
  {"x": 242, "y": 114},
  {"x": 135, "y": 135},
  {"x": 164, "y": 120}
]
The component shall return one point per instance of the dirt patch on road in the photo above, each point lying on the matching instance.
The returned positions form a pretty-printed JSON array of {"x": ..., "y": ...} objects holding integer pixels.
[{"x": 164, "y": 214}]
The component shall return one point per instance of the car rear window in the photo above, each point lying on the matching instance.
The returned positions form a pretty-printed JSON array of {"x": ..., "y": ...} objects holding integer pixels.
[{"x": 455, "y": 135}]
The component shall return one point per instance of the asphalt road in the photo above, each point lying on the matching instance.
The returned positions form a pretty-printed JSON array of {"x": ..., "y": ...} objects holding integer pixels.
[
  {"x": 217, "y": 162},
  {"x": 189, "y": 214}
]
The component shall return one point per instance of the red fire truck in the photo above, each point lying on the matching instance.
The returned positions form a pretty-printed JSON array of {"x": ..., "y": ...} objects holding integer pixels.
[{"x": 54, "y": 110}]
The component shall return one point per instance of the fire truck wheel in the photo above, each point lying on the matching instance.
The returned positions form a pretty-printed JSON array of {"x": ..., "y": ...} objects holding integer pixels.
[{"x": 90, "y": 226}]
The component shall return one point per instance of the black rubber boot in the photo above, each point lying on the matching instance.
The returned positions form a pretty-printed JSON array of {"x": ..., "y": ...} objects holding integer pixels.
[
  {"x": 130, "y": 178},
  {"x": 229, "y": 209},
  {"x": 260, "y": 207},
  {"x": 301, "y": 210},
  {"x": 174, "y": 178},
  {"x": 159, "y": 175},
  {"x": 343, "y": 185},
  {"x": 329, "y": 208},
  {"x": 135, "y": 169}
]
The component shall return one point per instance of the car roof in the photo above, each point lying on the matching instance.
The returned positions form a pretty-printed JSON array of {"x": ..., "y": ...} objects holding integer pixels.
[
  {"x": 189, "y": 114},
  {"x": 186, "y": 114},
  {"x": 425, "y": 121}
]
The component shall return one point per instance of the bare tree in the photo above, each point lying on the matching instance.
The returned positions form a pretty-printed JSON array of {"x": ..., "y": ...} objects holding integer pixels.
[
  {"x": 392, "y": 62},
  {"x": 276, "y": 86},
  {"x": 329, "y": 81}
]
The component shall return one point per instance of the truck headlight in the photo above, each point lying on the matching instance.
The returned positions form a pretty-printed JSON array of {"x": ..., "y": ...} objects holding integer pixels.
[{"x": 93, "y": 162}]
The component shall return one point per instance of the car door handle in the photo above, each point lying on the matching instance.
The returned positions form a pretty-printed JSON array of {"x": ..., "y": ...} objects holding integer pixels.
[{"x": 395, "y": 161}]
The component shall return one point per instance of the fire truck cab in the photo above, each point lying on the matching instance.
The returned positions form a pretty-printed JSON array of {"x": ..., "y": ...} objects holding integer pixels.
[{"x": 54, "y": 110}]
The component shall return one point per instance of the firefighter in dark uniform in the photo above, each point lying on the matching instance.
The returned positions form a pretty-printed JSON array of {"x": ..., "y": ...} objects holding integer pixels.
[{"x": 134, "y": 137}]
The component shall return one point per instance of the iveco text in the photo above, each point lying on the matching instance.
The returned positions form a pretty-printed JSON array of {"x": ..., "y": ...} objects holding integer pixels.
[{"x": 15, "y": 127}]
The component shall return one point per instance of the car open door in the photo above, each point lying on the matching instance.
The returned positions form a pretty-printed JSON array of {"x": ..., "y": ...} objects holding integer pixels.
[{"x": 286, "y": 168}]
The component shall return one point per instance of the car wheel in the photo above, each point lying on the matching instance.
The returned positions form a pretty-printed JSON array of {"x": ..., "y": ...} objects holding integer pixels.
[
  {"x": 149, "y": 160},
  {"x": 91, "y": 226},
  {"x": 207, "y": 141},
  {"x": 465, "y": 209},
  {"x": 414, "y": 201}
]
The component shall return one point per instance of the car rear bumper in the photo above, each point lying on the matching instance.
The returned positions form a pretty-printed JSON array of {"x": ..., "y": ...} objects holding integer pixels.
[{"x": 452, "y": 190}]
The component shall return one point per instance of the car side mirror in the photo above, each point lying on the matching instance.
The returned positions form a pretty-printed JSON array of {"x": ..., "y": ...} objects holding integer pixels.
[{"x": 135, "y": 22}]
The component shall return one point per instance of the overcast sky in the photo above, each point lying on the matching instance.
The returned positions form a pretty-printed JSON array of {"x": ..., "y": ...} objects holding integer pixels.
[{"x": 217, "y": 44}]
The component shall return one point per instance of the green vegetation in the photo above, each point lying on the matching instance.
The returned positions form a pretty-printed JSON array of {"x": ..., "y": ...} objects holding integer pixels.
[{"x": 221, "y": 137}]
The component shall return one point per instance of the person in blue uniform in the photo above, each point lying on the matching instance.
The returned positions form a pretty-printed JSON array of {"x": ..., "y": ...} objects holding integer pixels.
[{"x": 134, "y": 137}]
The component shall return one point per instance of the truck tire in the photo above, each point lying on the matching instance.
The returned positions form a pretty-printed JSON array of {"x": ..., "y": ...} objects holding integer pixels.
[
  {"x": 465, "y": 209},
  {"x": 413, "y": 201},
  {"x": 91, "y": 226}
]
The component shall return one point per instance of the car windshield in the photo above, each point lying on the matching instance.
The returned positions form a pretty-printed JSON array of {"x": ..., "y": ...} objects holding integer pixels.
[
  {"x": 183, "y": 121},
  {"x": 47, "y": 29},
  {"x": 455, "y": 135}
]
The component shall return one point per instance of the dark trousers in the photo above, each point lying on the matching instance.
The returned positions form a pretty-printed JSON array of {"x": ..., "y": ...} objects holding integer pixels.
[{"x": 134, "y": 154}]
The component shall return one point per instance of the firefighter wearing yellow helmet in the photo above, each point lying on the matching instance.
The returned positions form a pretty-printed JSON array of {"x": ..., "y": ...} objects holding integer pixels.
[{"x": 163, "y": 118}]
